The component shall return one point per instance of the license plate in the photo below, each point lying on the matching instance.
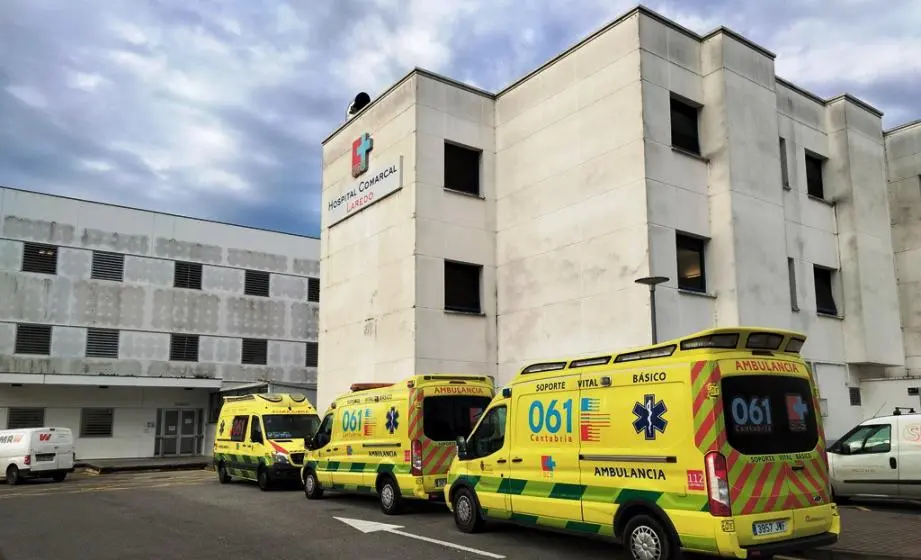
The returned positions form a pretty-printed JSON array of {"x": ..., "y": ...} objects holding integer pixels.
[
  {"x": 44, "y": 456},
  {"x": 440, "y": 482},
  {"x": 769, "y": 527}
]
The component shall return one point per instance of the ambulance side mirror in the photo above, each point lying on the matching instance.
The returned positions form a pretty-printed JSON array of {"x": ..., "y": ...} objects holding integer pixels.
[{"x": 462, "y": 448}]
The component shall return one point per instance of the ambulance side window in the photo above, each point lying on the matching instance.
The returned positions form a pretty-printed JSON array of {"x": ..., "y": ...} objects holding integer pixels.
[
  {"x": 490, "y": 434},
  {"x": 324, "y": 432},
  {"x": 255, "y": 434},
  {"x": 238, "y": 428}
]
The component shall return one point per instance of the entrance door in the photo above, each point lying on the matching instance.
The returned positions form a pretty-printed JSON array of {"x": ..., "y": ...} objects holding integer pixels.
[{"x": 178, "y": 432}]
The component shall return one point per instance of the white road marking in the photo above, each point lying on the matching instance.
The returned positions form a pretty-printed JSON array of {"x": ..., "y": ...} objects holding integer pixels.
[{"x": 375, "y": 527}]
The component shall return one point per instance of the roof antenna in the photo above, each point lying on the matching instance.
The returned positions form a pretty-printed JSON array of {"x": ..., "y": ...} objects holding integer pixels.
[{"x": 360, "y": 102}]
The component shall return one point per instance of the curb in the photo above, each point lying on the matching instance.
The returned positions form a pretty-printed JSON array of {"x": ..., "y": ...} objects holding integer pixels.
[
  {"x": 833, "y": 554},
  {"x": 91, "y": 469}
]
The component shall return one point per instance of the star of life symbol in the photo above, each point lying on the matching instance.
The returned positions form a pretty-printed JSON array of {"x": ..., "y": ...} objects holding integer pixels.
[
  {"x": 393, "y": 419},
  {"x": 649, "y": 417}
]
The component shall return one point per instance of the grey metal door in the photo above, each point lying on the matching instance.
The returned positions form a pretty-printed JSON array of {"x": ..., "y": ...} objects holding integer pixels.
[
  {"x": 168, "y": 435},
  {"x": 188, "y": 432}
]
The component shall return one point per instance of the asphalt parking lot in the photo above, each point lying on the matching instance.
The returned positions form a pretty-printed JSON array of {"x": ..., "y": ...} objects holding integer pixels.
[{"x": 190, "y": 515}]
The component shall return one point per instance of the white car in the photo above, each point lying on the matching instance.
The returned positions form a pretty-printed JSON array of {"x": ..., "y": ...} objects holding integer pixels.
[
  {"x": 36, "y": 453},
  {"x": 878, "y": 458}
]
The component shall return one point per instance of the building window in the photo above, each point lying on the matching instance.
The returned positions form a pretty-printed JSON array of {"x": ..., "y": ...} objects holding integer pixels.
[
  {"x": 96, "y": 422},
  {"x": 19, "y": 418},
  {"x": 691, "y": 269},
  {"x": 256, "y": 283},
  {"x": 824, "y": 292},
  {"x": 784, "y": 172},
  {"x": 40, "y": 258},
  {"x": 108, "y": 266},
  {"x": 183, "y": 348},
  {"x": 33, "y": 339},
  {"x": 187, "y": 275},
  {"x": 814, "y": 184},
  {"x": 312, "y": 358},
  {"x": 462, "y": 169},
  {"x": 791, "y": 274},
  {"x": 854, "y": 393},
  {"x": 684, "y": 126},
  {"x": 255, "y": 351},
  {"x": 313, "y": 289},
  {"x": 101, "y": 343},
  {"x": 462, "y": 287}
]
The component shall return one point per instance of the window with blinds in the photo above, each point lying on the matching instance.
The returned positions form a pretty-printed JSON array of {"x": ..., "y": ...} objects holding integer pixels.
[
  {"x": 255, "y": 351},
  {"x": 101, "y": 343},
  {"x": 187, "y": 275},
  {"x": 313, "y": 289},
  {"x": 40, "y": 258},
  {"x": 256, "y": 283},
  {"x": 183, "y": 347},
  {"x": 33, "y": 339},
  {"x": 96, "y": 422},
  {"x": 22, "y": 417},
  {"x": 313, "y": 354},
  {"x": 108, "y": 266}
]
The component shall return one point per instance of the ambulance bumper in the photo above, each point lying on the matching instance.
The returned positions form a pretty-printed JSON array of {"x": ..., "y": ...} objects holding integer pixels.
[
  {"x": 285, "y": 472},
  {"x": 767, "y": 550}
]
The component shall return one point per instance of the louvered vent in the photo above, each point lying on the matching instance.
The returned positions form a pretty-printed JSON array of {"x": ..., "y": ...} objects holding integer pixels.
[
  {"x": 187, "y": 275},
  {"x": 183, "y": 348},
  {"x": 33, "y": 339},
  {"x": 96, "y": 422},
  {"x": 256, "y": 283},
  {"x": 255, "y": 351},
  {"x": 41, "y": 258},
  {"x": 313, "y": 354},
  {"x": 313, "y": 289},
  {"x": 102, "y": 343},
  {"x": 108, "y": 266},
  {"x": 19, "y": 418}
]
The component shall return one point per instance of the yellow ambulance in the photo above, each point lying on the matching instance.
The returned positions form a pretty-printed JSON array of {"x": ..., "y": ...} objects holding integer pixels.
[
  {"x": 396, "y": 440},
  {"x": 711, "y": 443},
  {"x": 262, "y": 437}
]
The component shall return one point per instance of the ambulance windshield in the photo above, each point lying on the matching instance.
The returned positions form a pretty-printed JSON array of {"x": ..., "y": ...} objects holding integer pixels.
[
  {"x": 446, "y": 417},
  {"x": 768, "y": 414},
  {"x": 290, "y": 426}
]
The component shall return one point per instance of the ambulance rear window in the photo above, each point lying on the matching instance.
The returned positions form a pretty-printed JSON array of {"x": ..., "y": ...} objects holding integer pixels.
[
  {"x": 767, "y": 414},
  {"x": 446, "y": 417}
]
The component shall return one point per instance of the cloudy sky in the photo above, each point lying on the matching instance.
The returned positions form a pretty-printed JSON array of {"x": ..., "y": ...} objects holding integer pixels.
[{"x": 217, "y": 108}]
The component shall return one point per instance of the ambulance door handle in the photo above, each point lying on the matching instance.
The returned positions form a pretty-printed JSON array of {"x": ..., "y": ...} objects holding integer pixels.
[
  {"x": 516, "y": 460},
  {"x": 501, "y": 461},
  {"x": 892, "y": 462}
]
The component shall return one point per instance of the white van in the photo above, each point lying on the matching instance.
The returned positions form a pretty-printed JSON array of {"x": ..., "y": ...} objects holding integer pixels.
[
  {"x": 36, "y": 453},
  {"x": 878, "y": 458}
]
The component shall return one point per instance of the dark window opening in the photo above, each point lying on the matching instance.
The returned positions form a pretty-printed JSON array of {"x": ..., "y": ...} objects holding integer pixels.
[
  {"x": 462, "y": 169},
  {"x": 684, "y": 126},
  {"x": 768, "y": 414},
  {"x": 108, "y": 266},
  {"x": 854, "y": 393},
  {"x": 40, "y": 258},
  {"x": 255, "y": 431},
  {"x": 445, "y": 418},
  {"x": 96, "y": 422},
  {"x": 183, "y": 348},
  {"x": 255, "y": 351},
  {"x": 102, "y": 343},
  {"x": 323, "y": 433},
  {"x": 290, "y": 426},
  {"x": 312, "y": 357},
  {"x": 824, "y": 292},
  {"x": 691, "y": 269},
  {"x": 33, "y": 339},
  {"x": 784, "y": 172},
  {"x": 256, "y": 283},
  {"x": 490, "y": 434},
  {"x": 187, "y": 275},
  {"x": 462, "y": 287},
  {"x": 791, "y": 274},
  {"x": 313, "y": 289},
  {"x": 814, "y": 182},
  {"x": 19, "y": 418}
]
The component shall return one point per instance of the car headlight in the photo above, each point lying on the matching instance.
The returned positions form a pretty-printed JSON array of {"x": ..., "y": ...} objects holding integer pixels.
[{"x": 281, "y": 458}]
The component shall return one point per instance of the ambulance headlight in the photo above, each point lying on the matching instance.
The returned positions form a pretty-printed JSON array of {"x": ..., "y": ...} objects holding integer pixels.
[{"x": 281, "y": 458}]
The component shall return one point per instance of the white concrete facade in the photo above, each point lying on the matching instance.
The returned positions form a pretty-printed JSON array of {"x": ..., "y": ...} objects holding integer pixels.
[
  {"x": 141, "y": 318},
  {"x": 583, "y": 189}
]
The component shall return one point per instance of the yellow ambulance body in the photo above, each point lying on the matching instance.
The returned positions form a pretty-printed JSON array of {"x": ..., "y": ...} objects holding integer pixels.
[
  {"x": 711, "y": 443},
  {"x": 396, "y": 440},
  {"x": 262, "y": 437}
]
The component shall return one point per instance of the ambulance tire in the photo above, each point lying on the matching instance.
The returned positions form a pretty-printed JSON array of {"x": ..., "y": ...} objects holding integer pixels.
[
  {"x": 388, "y": 492},
  {"x": 12, "y": 475},
  {"x": 262, "y": 478},
  {"x": 467, "y": 515},
  {"x": 645, "y": 533},
  {"x": 312, "y": 488},
  {"x": 222, "y": 475}
]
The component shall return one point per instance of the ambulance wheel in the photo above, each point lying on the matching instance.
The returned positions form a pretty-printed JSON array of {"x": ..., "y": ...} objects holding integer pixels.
[
  {"x": 389, "y": 492},
  {"x": 646, "y": 539},
  {"x": 59, "y": 477},
  {"x": 467, "y": 512},
  {"x": 12, "y": 475},
  {"x": 262, "y": 477},
  {"x": 312, "y": 487},
  {"x": 222, "y": 475}
]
